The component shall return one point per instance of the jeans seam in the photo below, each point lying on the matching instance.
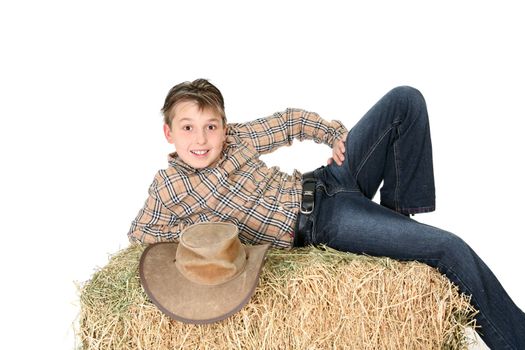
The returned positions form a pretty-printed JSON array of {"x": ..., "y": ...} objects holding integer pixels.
[
  {"x": 396, "y": 189},
  {"x": 331, "y": 194},
  {"x": 417, "y": 210},
  {"x": 372, "y": 149}
]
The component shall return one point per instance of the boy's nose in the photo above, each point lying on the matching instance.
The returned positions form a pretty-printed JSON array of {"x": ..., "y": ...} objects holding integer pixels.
[{"x": 201, "y": 137}]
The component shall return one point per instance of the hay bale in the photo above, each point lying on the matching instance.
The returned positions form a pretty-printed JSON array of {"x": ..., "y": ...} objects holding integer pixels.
[{"x": 307, "y": 299}]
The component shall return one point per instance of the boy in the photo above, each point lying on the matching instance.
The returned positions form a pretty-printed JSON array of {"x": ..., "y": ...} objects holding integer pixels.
[{"x": 216, "y": 175}]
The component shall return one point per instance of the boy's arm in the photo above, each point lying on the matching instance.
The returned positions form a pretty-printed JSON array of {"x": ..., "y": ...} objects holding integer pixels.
[
  {"x": 154, "y": 222},
  {"x": 267, "y": 134}
]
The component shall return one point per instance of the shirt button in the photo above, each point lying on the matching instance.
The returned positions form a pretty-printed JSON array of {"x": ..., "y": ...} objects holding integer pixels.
[{"x": 232, "y": 188}]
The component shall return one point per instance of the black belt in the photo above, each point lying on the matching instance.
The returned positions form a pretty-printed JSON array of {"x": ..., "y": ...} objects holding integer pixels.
[
  {"x": 308, "y": 202},
  {"x": 303, "y": 226}
]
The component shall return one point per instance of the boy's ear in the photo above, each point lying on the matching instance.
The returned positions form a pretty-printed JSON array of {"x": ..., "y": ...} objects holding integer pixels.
[{"x": 167, "y": 133}]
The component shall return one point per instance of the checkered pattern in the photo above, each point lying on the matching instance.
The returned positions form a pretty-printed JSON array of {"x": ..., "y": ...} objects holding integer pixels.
[{"x": 263, "y": 202}]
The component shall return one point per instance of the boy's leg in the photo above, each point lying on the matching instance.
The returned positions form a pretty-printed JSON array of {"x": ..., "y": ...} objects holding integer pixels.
[
  {"x": 391, "y": 143},
  {"x": 348, "y": 221}
]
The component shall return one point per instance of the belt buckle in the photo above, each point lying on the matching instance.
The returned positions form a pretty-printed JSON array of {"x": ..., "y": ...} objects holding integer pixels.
[
  {"x": 310, "y": 193},
  {"x": 307, "y": 212}
]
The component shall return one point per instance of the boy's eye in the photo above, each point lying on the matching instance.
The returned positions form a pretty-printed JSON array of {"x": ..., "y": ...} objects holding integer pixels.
[
  {"x": 186, "y": 128},
  {"x": 212, "y": 127}
]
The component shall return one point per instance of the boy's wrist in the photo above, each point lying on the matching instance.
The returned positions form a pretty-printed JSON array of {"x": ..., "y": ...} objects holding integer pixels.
[{"x": 340, "y": 133}]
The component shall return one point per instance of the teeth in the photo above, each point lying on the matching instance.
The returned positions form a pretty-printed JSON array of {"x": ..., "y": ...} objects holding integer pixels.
[{"x": 199, "y": 152}]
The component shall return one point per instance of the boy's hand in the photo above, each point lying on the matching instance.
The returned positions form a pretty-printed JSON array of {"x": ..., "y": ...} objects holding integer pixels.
[{"x": 338, "y": 151}]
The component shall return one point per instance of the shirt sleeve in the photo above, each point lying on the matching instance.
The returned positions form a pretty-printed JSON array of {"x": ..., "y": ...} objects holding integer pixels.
[
  {"x": 154, "y": 222},
  {"x": 281, "y": 128}
]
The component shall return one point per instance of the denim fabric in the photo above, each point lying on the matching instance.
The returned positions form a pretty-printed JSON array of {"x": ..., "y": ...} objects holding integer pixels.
[{"x": 391, "y": 143}]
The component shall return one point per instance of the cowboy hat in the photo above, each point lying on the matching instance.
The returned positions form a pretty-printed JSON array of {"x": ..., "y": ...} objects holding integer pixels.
[{"x": 206, "y": 277}]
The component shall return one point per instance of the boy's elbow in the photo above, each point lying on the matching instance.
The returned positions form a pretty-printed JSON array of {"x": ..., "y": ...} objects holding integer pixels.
[
  {"x": 139, "y": 237},
  {"x": 133, "y": 237}
]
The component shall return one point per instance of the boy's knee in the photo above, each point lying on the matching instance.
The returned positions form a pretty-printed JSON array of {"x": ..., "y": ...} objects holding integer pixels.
[
  {"x": 409, "y": 99},
  {"x": 456, "y": 251},
  {"x": 409, "y": 93}
]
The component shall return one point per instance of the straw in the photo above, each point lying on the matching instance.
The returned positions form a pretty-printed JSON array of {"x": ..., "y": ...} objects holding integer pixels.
[{"x": 307, "y": 298}]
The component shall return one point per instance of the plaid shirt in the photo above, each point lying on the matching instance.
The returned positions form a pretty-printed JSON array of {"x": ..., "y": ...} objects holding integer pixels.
[{"x": 263, "y": 202}]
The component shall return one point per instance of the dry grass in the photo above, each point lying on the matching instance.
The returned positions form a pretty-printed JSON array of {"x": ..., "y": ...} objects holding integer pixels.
[{"x": 307, "y": 299}]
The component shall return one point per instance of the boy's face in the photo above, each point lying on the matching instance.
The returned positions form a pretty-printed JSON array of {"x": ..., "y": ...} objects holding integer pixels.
[{"x": 198, "y": 135}]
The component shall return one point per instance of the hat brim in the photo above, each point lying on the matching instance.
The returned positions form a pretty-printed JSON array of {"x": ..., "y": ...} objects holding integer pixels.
[{"x": 190, "y": 302}]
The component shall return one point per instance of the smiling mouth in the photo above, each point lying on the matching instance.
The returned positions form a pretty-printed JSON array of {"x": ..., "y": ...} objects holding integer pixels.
[{"x": 199, "y": 153}]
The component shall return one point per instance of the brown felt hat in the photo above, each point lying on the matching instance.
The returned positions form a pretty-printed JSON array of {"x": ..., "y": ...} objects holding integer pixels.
[{"x": 206, "y": 277}]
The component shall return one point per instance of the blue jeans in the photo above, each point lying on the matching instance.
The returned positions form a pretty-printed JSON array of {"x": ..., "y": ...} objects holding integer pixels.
[{"x": 391, "y": 143}]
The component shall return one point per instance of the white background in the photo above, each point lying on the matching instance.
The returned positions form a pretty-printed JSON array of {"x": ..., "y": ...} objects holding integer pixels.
[{"x": 82, "y": 83}]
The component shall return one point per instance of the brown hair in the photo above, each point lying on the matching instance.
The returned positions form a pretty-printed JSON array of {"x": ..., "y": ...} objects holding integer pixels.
[{"x": 204, "y": 93}]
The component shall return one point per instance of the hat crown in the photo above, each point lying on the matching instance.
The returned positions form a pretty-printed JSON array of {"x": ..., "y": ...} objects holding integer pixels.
[{"x": 210, "y": 253}]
